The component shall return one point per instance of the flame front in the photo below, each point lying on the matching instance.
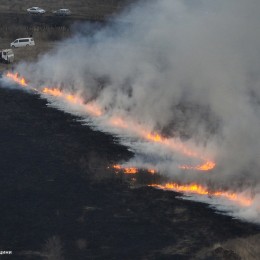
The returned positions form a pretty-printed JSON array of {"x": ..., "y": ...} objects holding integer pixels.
[
  {"x": 15, "y": 77},
  {"x": 93, "y": 109},
  {"x": 202, "y": 190}
]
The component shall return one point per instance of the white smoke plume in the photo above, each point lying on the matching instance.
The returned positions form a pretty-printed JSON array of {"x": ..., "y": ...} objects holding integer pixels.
[{"x": 188, "y": 69}]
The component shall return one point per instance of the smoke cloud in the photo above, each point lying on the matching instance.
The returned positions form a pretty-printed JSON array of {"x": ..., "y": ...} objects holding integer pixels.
[{"x": 187, "y": 69}]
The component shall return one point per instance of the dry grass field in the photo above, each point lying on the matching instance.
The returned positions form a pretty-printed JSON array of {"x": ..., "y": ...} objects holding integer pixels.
[
  {"x": 26, "y": 53},
  {"x": 78, "y": 7},
  {"x": 47, "y": 29}
]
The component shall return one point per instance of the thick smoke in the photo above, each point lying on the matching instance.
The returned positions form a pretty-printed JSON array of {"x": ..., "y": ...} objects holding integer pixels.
[{"x": 186, "y": 68}]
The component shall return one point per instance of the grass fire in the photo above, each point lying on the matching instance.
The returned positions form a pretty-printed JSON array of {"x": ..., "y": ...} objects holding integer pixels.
[
  {"x": 121, "y": 122},
  {"x": 94, "y": 110}
]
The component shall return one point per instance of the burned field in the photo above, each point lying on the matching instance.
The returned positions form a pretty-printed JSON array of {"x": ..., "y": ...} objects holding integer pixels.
[
  {"x": 71, "y": 192},
  {"x": 60, "y": 201}
]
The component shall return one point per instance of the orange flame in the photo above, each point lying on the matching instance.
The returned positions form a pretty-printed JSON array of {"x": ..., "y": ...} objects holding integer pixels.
[
  {"x": 154, "y": 137},
  {"x": 173, "y": 144},
  {"x": 202, "y": 190},
  {"x": 58, "y": 93},
  {"x": 126, "y": 170},
  {"x": 93, "y": 109},
  {"x": 54, "y": 92},
  {"x": 152, "y": 171},
  {"x": 131, "y": 170},
  {"x": 208, "y": 165},
  {"x": 15, "y": 77}
]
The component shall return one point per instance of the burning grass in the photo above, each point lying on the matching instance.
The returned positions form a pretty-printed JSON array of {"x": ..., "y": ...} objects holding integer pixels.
[
  {"x": 198, "y": 189},
  {"x": 94, "y": 110}
]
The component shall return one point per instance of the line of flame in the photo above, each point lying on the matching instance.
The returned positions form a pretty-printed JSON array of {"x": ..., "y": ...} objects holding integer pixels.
[
  {"x": 126, "y": 170},
  {"x": 16, "y": 78},
  {"x": 192, "y": 188},
  {"x": 195, "y": 188},
  {"x": 93, "y": 109}
]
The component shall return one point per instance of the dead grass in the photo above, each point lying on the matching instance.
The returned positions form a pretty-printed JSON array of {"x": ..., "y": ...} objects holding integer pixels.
[
  {"x": 243, "y": 248},
  {"x": 16, "y": 23},
  {"x": 26, "y": 53},
  {"x": 78, "y": 7},
  {"x": 247, "y": 248}
]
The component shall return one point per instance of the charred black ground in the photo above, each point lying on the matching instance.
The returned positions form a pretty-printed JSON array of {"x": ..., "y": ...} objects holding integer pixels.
[{"x": 59, "y": 199}]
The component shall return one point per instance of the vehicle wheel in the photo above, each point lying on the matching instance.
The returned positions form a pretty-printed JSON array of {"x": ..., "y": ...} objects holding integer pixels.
[{"x": 27, "y": 45}]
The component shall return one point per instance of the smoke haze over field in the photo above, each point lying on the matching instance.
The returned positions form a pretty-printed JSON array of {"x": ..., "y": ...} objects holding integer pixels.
[{"x": 188, "y": 69}]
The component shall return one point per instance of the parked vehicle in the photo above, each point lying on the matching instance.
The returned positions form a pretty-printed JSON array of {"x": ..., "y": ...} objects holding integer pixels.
[
  {"x": 6, "y": 56},
  {"x": 22, "y": 42},
  {"x": 62, "y": 12},
  {"x": 36, "y": 10}
]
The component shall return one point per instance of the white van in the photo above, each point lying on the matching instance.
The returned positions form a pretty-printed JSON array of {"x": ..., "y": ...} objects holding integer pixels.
[
  {"x": 22, "y": 42},
  {"x": 6, "y": 56}
]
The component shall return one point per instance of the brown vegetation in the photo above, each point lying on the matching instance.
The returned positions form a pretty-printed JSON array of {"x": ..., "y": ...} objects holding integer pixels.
[
  {"x": 46, "y": 29},
  {"x": 247, "y": 248},
  {"x": 79, "y": 8}
]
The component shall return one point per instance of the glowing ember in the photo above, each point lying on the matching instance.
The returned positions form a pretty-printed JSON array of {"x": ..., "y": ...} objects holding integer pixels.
[
  {"x": 118, "y": 122},
  {"x": 126, "y": 170},
  {"x": 152, "y": 171},
  {"x": 131, "y": 170},
  {"x": 202, "y": 190},
  {"x": 209, "y": 165},
  {"x": 117, "y": 167},
  {"x": 93, "y": 109}
]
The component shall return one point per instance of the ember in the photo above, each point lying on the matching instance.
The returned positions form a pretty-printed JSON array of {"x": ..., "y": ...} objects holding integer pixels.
[{"x": 126, "y": 170}]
